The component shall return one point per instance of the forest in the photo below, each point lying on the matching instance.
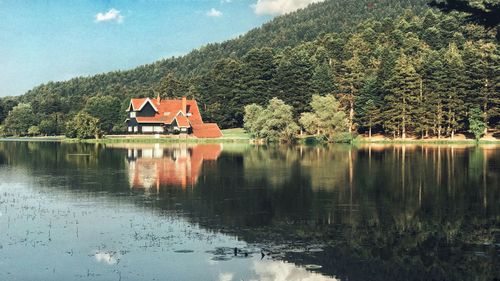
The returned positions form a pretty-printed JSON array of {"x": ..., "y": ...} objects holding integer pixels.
[{"x": 399, "y": 68}]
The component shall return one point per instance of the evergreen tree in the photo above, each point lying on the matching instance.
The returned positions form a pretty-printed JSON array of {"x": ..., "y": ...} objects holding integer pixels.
[
  {"x": 477, "y": 125},
  {"x": 433, "y": 107},
  {"x": 170, "y": 87},
  {"x": 454, "y": 89},
  {"x": 372, "y": 116},
  {"x": 401, "y": 100},
  {"x": 350, "y": 81}
]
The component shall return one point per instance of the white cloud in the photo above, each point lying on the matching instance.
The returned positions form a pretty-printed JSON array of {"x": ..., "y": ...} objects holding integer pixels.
[
  {"x": 279, "y": 7},
  {"x": 214, "y": 13},
  {"x": 111, "y": 15}
]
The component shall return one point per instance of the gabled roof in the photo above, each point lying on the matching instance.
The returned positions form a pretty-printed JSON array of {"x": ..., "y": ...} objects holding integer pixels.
[
  {"x": 138, "y": 104},
  {"x": 167, "y": 111},
  {"x": 182, "y": 121}
]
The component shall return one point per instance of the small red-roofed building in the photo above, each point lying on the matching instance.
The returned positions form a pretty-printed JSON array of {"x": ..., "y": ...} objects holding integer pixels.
[{"x": 179, "y": 116}]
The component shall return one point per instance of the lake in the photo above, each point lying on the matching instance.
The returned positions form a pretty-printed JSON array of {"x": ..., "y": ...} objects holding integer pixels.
[{"x": 242, "y": 212}]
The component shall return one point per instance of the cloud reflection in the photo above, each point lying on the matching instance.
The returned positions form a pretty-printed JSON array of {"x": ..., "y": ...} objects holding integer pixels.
[
  {"x": 282, "y": 271},
  {"x": 106, "y": 257}
]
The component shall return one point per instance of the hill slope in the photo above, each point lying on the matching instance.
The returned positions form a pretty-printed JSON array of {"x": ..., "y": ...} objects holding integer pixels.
[
  {"x": 425, "y": 71},
  {"x": 283, "y": 31}
]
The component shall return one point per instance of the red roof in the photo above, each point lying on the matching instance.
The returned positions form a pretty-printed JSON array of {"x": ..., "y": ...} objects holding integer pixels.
[
  {"x": 182, "y": 121},
  {"x": 206, "y": 130},
  {"x": 168, "y": 110}
]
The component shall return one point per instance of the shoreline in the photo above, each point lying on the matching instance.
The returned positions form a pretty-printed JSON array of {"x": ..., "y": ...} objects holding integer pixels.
[
  {"x": 238, "y": 135},
  {"x": 242, "y": 140}
]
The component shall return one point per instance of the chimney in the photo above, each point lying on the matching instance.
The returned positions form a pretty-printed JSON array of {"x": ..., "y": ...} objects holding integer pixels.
[
  {"x": 184, "y": 105},
  {"x": 158, "y": 98}
]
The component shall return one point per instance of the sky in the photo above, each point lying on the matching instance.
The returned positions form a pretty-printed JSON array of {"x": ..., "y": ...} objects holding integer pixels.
[{"x": 54, "y": 40}]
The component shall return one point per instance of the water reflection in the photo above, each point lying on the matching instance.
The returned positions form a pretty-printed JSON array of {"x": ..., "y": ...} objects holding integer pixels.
[
  {"x": 377, "y": 212},
  {"x": 151, "y": 166}
]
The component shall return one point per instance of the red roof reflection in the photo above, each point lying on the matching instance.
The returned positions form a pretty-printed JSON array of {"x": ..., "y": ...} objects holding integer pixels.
[{"x": 178, "y": 165}]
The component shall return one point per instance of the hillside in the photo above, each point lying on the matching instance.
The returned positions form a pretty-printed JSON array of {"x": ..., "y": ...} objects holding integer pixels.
[
  {"x": 291, "y": 57},
  {"x": 283, "y": 31}
]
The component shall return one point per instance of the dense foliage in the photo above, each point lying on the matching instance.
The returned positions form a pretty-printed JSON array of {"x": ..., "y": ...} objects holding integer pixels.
[
  {"x": 396, "y": 67},
  {"x": 327, "y": 119},
  {"x": 83, "y": 126},
  {"x": 274, "y": 123}
]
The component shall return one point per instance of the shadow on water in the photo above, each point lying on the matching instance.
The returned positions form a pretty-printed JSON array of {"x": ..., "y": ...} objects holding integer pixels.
[{"x": 377, "y": 212}]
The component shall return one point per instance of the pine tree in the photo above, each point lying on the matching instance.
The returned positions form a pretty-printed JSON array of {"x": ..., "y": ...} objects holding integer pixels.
[
  {"x": 371, "y": 116},
  {"x": 350, "y": 81},
  {"x": 483, "y": 71},
  {"x": 403, "y": 93},
  {"x": 454, "y": 89},
  {"x": 433, "y": 107}
]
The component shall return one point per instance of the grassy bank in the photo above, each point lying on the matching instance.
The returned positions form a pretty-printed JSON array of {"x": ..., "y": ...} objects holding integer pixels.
[
  {"x": 230, "y": 135},
  {"x": 238, "y": 135},
  {"x": 458, "y": 140}
]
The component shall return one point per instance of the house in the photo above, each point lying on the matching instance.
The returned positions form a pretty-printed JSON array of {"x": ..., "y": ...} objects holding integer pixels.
[{"x": 179, "y": 116}]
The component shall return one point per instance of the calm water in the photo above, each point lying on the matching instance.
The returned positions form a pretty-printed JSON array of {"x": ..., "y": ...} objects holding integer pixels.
[{"x": 176, "y": 212}]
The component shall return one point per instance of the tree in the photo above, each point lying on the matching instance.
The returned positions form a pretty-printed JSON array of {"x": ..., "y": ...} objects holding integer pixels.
[
  {"x": 170, "y": 87},
  {"x": 477, "y": 125},
  {"x": 454, "y": 89},
  {"x": 252, "y": 113},
  {"x": 309, "y": 122},
  {"x": 327, "y": 119},
  {"x": 482, "y": 75},
  {"x": 6, "y": 105},
  {"x": 107, "y": 110},
  {"x": 403, "y": 90},
  {"x": 433, "y": 108},
  {"x": 275, "y": 123},
  {"x": 20, "y": 119},
  {"x": 278, "y": 122},
  {"x": 52, "y": 125},
  {"x": 350, "y": 80},
  {"x": 33, "y": 131},
  {"x": 83, "y": 126},
  {"x": 485, "y": 13},
  {"x": 294, "y": 77},
  {"x": 371, "y": 116}
]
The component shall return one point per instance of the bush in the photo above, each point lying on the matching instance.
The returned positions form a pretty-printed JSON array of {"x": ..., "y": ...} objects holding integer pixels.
[
  {"x": 83, "y": 126},
  {"x": 34, "y": 131},
  {"x": 274, "y": 123}
]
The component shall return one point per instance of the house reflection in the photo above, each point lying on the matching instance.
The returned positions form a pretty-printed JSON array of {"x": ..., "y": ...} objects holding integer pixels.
[{"x": 179, "y": 165}]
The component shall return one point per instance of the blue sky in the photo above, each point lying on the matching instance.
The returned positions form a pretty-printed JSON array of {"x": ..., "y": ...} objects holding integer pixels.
[{"x": 45, "y": 40}]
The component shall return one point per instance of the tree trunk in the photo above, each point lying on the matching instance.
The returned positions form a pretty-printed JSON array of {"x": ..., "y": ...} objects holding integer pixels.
[
  {"x": 370, "y": 132},
  {"x": 351, "y": 116},
  {"x": 403, "y": 124},
  {"x": 485, "y": 117}
]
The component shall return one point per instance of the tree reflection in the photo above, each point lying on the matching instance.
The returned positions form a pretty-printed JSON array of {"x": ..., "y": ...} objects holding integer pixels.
[{"x": 403, "y": 212}]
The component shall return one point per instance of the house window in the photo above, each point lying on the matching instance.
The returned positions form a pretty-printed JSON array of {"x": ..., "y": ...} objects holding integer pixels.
[
  {"x": 132, "y": 114},
  {"x": 130, "y": 128}
]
